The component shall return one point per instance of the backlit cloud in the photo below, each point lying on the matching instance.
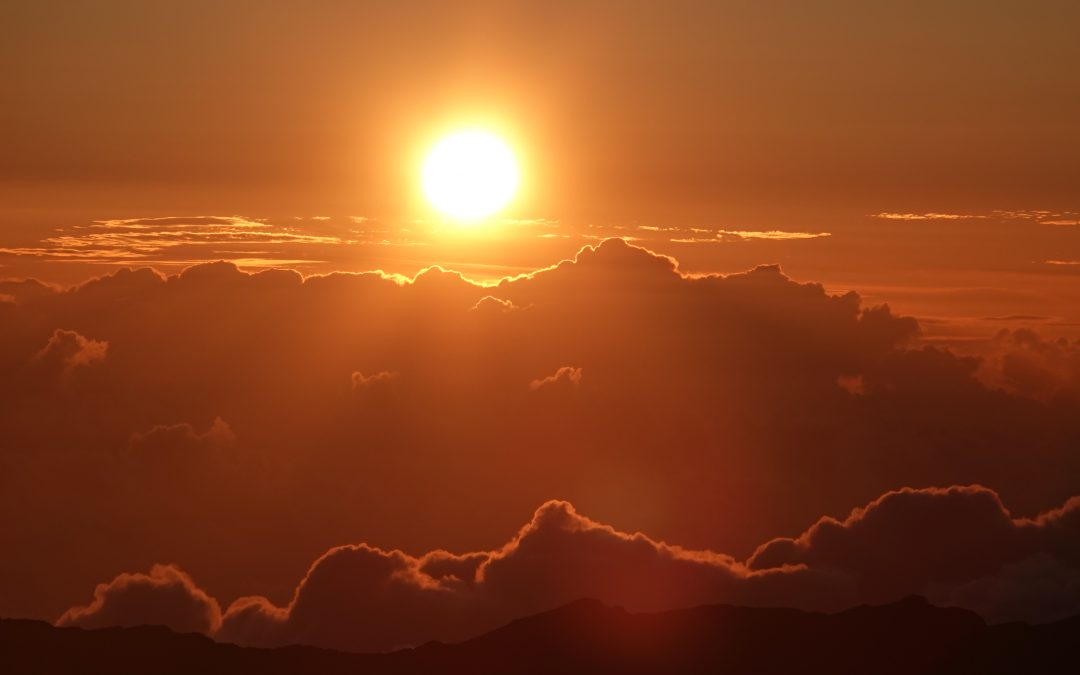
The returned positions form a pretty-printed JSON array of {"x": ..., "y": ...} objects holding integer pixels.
[
  {"x": 71, "y": 350},
  {"x": 957, "y": 544},
  {"x": 1041, "y": 216},
  {"x": 752, "y": 392},
  {"x": 887, "y": 215},
  {"x": 183, "y": 241},
  {"x": 567, "y": 374},
  {"x": 165, "y": 596}
]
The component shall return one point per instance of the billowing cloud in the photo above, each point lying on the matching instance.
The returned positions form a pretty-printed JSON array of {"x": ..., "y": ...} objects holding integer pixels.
[
  {"x": 166, "y": 596},
  {"x": 958, "y": 545},
  {"x": 169, "y": 436},
  {"x": 1024, "y": 362},
  {"x": 67, "y": 350},
  {"x": 567, "y": 376},
  {"x": 363, "y": 598},
  {"x": 700, "y": 396},
  {"x": 490, "y": 303},
  {"x": 360, "y": 380}
]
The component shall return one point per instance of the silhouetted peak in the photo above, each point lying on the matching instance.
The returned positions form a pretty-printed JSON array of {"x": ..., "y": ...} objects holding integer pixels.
[{"x": 588, "y": 636}]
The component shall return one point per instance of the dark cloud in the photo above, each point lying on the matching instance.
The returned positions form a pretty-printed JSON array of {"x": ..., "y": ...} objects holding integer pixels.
[
  {"x": 700, "y": 396},
  {"x": 1040, "y": 588},
  {"x": 957, "y": 545},
  {"x": 1024, "y": 362},
  {"x": 363, "y": 598},
  {"x": 164, "y": 597},
  {"x": 66, "y": 350},
  {"x": 169, "y": 437}
]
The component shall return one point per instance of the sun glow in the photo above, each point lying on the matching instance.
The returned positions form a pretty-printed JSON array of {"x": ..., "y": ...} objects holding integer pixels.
[{"x": 470, "y": 175}]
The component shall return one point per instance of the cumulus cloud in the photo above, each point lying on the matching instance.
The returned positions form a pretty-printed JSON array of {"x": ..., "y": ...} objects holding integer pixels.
[
  {"x": 166, "y": 596},
  {"x": 170, "y": 436},
  {"x": 68, "y": 350},
  {"x": 490, "y": 303},
  {"x": 1024, "y": 362},
  {"x": 924, "y": 541},
  {"x": 363, "y": 598},
  {"x": 739, "y": 389},
  {"x": 360, "y": 380},
  {"x": 566, "y": 376},
  {"x": 958, "y": 545}
]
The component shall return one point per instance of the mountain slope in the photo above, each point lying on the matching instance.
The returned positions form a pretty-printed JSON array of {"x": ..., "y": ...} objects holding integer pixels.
[{"x": 906, "y": 637}]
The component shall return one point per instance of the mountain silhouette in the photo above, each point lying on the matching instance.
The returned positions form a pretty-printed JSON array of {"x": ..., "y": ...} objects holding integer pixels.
[{"x": 906, "y": 637}]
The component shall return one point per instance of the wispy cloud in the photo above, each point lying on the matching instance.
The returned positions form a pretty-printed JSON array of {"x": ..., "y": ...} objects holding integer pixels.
[
  {"x": 1041, "y": 216},
  {"x": 720, "y": 236},
  {"x": 180, "y": 240},
  {"x": 772, "y": 234},
  {"x": 173, "y": 221},
  {"x": 887, "y": 215}
]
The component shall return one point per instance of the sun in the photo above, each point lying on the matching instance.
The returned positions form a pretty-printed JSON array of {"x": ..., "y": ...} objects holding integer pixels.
[{"x": 470, "y": 175}]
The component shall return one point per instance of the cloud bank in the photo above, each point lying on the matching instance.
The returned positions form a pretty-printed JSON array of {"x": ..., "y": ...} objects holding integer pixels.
[
  {"x": 959, "y": 545},
  {"x": 260, "y": 418}
]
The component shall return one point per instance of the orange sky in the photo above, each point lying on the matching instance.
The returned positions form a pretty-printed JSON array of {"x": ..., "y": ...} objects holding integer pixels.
[
  {"x": 660, "y": 329},
  {"x": 626, "y": 115}
]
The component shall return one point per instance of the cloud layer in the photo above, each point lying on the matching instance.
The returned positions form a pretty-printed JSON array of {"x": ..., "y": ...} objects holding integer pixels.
[
  {"x": 959, "y": 545},
  {"x": 260, "y": 418}
]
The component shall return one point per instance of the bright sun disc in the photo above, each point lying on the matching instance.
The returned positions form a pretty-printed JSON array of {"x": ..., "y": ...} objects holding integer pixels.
[{"x": 470, "y": 175}]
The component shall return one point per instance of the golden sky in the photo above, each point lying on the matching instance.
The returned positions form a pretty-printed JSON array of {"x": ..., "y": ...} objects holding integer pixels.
[
  {"x": 767, "y": 262},
  {"x": 676, "y": 123}
]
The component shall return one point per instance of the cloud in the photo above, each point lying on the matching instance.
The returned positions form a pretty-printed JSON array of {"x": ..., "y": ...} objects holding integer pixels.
[
  {"x": 20, "y": 290},
  {"x": 920, "y": 541},
  {"x": 178, "y": 222},
  {"x": 957, "y": 544},
  {"x": 360, "y": 380},
  {"x": 490, "y": 303},
  {"x": 566, "y": 376},
  {"x": 365, "y": 599},
  {"x": 168, "y": 437},
  {"x": 1024, "y": 362},
  {"x": 182, "y": 241},
  {"x": 886, "y": 215},
  {"x": 771, "y": 234},
  {"x": 166, "y": 596},
  {"x": 719, "y": 236},
  {"x": 1039, "y": 587},
  {"x": 69, "y": 350},
  {"x": 739, "y": 389},
  {"x": 1041, "y": 216}
]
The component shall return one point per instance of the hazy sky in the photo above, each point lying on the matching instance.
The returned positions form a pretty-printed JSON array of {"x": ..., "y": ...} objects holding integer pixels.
[
  {"x": 239, "y": 420},
  {"x": 737, "y": 116}
]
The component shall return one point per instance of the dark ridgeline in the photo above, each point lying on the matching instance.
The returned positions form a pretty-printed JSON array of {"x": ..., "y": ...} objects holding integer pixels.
[{"x": 909, "y": 637}]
